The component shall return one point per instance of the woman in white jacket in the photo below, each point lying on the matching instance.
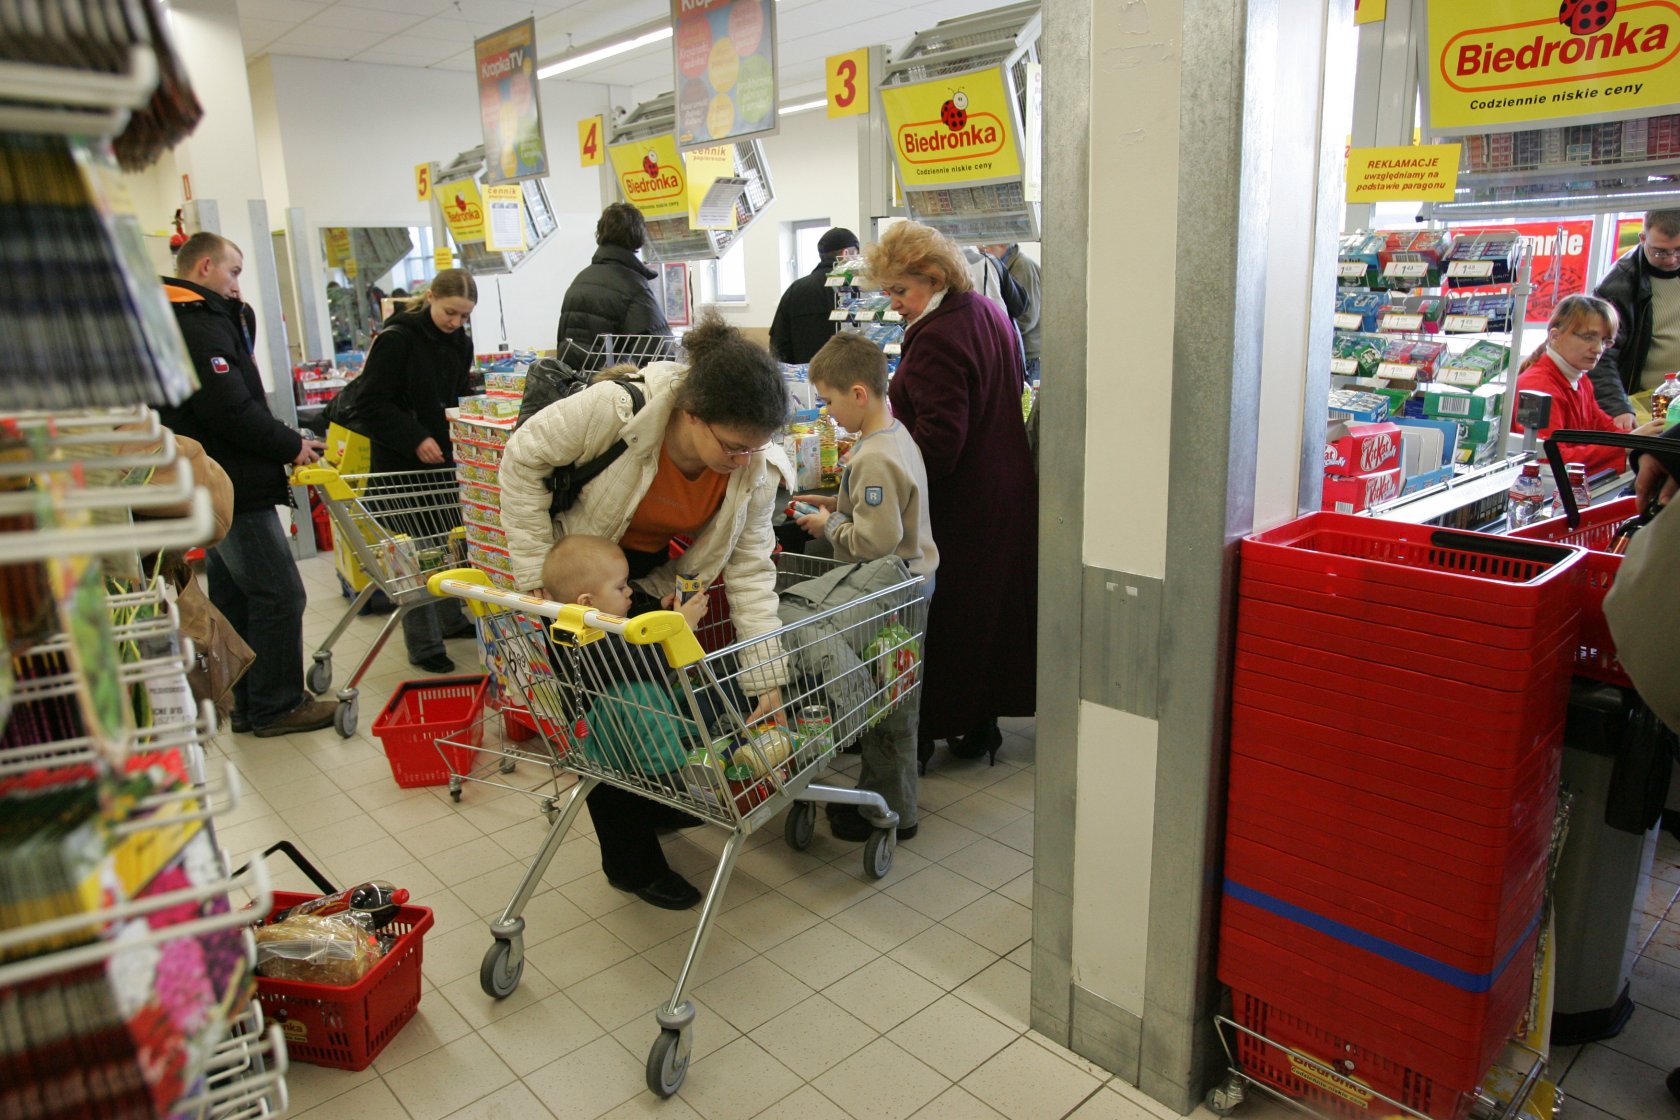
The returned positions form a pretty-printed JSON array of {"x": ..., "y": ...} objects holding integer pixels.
[{"x": 696, "y": 463}]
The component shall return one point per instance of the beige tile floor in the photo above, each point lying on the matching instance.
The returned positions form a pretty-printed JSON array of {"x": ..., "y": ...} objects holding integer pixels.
[{"x": 821, "y": 993}]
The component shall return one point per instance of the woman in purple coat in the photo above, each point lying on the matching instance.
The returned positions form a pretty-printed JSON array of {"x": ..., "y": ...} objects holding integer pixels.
[{"x": 958, "y": 391}]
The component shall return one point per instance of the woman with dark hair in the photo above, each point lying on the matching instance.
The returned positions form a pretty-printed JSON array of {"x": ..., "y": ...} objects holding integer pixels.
[
  {"x": 958, "y": 391},
  {"x": 695, "y": 464},
  {"x": 612, "y": 295},
  {"x": 418, "y": 366}
]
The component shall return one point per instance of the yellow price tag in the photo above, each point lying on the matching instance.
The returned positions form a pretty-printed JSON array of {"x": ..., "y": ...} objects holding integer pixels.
[
  {"x": 423, "y": 182},
  {"x": 848, "y": 83},
  {"x": 592, "y": 151},
  {"x": 443, "y": 258}
]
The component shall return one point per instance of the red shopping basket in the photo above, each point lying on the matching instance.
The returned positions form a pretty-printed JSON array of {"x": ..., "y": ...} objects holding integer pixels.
[
  {"x": 346, "y": 1027},
  {"x": 1595, "y": 654},
  {"x": 422, "y": 712}
]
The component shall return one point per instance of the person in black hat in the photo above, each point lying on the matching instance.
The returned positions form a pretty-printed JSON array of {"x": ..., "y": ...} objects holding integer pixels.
[{"x": 802, "y": 325}]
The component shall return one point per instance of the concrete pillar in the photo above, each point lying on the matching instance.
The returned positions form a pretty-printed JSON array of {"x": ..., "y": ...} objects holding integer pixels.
[{"x": 1191, "y": 187}]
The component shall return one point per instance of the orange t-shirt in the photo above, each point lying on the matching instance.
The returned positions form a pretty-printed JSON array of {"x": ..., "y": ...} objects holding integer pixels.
[{"x": 673, "y": 506}]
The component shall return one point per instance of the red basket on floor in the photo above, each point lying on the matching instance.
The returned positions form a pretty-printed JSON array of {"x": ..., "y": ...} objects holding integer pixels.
[
  {"x": 517, "y": 725},
  {"x": 420, "y": 713},
  {"x": 346, "y": 1027},
  {"x": 1267, "y": 1061},
  {"x": 1595, "y": 656}
]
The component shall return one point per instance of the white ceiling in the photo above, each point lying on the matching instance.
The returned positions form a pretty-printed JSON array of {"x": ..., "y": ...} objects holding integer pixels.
[{"x": 439, "y": 34}]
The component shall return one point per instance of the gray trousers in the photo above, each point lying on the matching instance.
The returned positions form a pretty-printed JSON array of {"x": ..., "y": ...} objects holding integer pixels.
[{"x": 889, "y": 760}]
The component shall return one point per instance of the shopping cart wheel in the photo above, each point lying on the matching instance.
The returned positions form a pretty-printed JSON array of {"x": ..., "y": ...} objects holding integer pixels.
[
  {"x": 1222, "y": 1100},
  {"x": 499, "y": 974},
  {"x": 320, "y": 674},
  {"x": 878, "y": 853},
  {"x": 344, "y": 720},
  {"x": 508, "y": 764},
  {"x": 801, "y": 825},
  {"x": 667, "y": 1063},
  {"x": 455, "y": 787}
]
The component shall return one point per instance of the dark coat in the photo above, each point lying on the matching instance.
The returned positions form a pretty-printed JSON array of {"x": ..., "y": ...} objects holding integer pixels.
[
  {"x": 958, "y": 391},
  {"x": 801, "y": 324},
  {"x": 1628, "y": 286},
  {"x": 229, "y": 414},
  {"x": 414, "y": 371},
  {"x": 611, "y": 296}
]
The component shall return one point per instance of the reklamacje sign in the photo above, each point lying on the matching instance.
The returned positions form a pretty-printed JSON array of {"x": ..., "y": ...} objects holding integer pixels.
[
  {"x": 1523, "y": 63},
  {"x": 958, "y": 129}
]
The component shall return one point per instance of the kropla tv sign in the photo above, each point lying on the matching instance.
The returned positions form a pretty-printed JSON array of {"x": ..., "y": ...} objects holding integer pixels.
[{"x": 1529, "y": 63}]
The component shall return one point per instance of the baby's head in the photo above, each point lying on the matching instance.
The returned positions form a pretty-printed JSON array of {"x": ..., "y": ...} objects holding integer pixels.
[{"x": 588, "y": 570}]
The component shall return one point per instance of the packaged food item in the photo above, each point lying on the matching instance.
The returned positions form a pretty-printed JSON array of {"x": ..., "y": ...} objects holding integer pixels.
[
  {"x": 1401, "y": 312},
  {"x": 376, "y": 899},
  {"x": 1352, "y": 448},
  {"x": 1349, "y": 404},
  {"x": 316, "y": 949},
  {"x": 1361, "y": 492}
]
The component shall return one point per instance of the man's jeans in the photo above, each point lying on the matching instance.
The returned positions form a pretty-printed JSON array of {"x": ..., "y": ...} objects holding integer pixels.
[{"x": 254, "y": 582}]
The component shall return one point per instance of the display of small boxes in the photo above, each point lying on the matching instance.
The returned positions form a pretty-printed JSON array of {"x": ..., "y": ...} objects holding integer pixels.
[
  {"x": 1410, "y": 360},
  {"x": 1411, "y": 313},
  {"x": 1360, "y": 492},
  {"x": 1349, "y": 404},
  {"x": 1404, "y": 251},
  {"x": 1353, "y": 355},
  {"x": 1427, "y": 452},
  {"x": 1472, "y": 308},
  {"x": 1352, "y": 448},
  {"x": 1475, "y": 367},
  {"x": 1357, "y": 301},
  {"x": 1445, "y": 402},
  {"x": 1489, "y": 257}
]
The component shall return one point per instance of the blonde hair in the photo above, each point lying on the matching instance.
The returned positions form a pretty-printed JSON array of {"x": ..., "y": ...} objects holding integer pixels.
[
  {"x": 577, "y": 565},
  {"x": 1572, "y": 312},
  {"x": 850, "y": 359},
  {"x": 912, "y": 249}
]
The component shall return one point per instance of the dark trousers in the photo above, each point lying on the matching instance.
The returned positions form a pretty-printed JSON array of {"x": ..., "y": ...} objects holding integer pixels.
[
  {"x": 254, "y": 582},
  {"x": 625, "y": 826}
]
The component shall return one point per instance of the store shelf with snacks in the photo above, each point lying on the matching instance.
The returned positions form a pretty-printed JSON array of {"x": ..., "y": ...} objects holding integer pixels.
[{"x": 1422, "y": 357}]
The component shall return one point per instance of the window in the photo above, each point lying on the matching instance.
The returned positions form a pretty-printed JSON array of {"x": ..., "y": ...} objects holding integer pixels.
[
  {"x": 805, "y": 256},
  {"x": 725, "y": 279}
]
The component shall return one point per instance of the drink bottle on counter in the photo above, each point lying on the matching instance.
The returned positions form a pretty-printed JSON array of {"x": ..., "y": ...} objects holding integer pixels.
[
  {"x": 1578, "y": 486},
  {"x": 1662, "y": 399},
  {"x": 1525, "y": 503},
  {"x": 830, "y": 448},
  {"x": 379, "y": 900}
]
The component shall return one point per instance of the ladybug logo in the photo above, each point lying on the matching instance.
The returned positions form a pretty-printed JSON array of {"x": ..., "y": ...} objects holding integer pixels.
[
  {"x": 650, "y": 164},
  {"x": 1583, "y": 17},
  {"x": 955, "y": 111}
]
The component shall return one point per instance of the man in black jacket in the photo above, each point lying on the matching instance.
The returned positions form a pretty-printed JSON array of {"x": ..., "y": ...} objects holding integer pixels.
[
  {"x": 253, "y": 579},
  {"x": 1644, "y": 286},
  {"x": 802, "y": 322},
  {"x": 612, "y": 295}
]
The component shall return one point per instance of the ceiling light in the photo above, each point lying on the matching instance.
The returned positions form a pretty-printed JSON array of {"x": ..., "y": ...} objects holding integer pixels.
[
  {"x": 593, "y": 55},
  {"x": 802, "y": 107}
]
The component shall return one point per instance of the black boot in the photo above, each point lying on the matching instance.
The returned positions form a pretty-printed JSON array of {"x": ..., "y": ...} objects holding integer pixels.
[
  {"x": 984, "y": 739},
  {"x": 925, "y": 746}
]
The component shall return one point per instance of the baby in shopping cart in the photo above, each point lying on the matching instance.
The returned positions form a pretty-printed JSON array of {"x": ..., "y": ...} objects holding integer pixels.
[{"x": 634, "y": 715}]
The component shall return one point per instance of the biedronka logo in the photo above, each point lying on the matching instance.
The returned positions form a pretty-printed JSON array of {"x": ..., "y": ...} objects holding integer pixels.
[
  {"x": 1540, "y": 53},
  {"x": 945, "y": 141},
  {"x": 651, "y": 181}
]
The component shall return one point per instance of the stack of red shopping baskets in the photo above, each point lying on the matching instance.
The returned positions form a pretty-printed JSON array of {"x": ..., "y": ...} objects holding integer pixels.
[{"x": 1398, "y": 709}]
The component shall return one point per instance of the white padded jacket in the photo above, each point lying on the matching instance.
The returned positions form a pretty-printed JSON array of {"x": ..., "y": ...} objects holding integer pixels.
[{"x": 737, "y": 543}]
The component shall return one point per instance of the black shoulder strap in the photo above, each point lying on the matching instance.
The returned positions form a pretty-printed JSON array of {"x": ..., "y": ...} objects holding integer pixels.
[{"x": 585, "y": 473}]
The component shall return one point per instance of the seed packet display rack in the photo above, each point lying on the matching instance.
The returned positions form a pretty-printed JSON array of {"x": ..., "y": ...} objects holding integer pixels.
[
  {"x": 168, "y": 894},
  {"x": 640, "y": 704}
]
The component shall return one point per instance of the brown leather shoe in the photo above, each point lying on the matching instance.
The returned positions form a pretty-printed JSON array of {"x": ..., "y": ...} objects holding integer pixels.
[{"x": 311, "y": 715}]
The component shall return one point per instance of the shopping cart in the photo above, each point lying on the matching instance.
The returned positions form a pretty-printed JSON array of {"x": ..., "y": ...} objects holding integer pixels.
[
  {"x": 402, "y": 526},
  {"x": 675, "y": 731}
]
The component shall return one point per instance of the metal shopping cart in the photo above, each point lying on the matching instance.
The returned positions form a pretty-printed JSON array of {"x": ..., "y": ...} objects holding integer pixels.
[
  {"x": 402, "y": 527},
  {"x": 640, "y": 704}
]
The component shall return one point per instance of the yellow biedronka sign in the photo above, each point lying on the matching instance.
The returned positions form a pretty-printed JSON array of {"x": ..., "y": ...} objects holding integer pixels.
[
  {"x": 1512, "y": 63},
  {"x": 953, "y": 130},
  {"x": 651, "y": 175}
]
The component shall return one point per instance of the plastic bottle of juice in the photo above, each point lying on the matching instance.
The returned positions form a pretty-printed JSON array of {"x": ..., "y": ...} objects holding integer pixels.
[
  {"x": 830, "y": 448},
  {"x": 1526, "y": 502},
  {"x": 1662, "y": 398}
]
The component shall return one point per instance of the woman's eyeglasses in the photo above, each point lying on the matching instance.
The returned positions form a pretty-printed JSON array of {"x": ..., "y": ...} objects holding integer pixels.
[
  {"x": 1594, "y": 339},
  {"x": 735, "y": 450}
]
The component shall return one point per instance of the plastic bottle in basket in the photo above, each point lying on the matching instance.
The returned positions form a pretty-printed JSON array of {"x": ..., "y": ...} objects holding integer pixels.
[
  {"x": 1526, "y": 502},
  {"x": 378, "y": 899},
  {"x": 1662, "y": 398},
  {"x": 1578, "y": 486}
]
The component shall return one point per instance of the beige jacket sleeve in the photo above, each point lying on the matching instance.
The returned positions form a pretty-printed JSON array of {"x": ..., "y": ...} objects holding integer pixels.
[
  {"x": 1644, "y": 614},
  {"x": 574, "y": 429}
]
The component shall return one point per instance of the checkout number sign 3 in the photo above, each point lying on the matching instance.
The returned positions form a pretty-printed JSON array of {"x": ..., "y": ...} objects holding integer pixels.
[{"x": 848, "y": 83}]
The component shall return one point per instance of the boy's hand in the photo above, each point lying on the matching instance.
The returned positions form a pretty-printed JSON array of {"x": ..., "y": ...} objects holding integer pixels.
[
  {"x": 766, "y": 705},
  {"x": 815, "y": 524},
  {"x": 694, "y": 610},
  {"x": 821, "y": 501}
]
